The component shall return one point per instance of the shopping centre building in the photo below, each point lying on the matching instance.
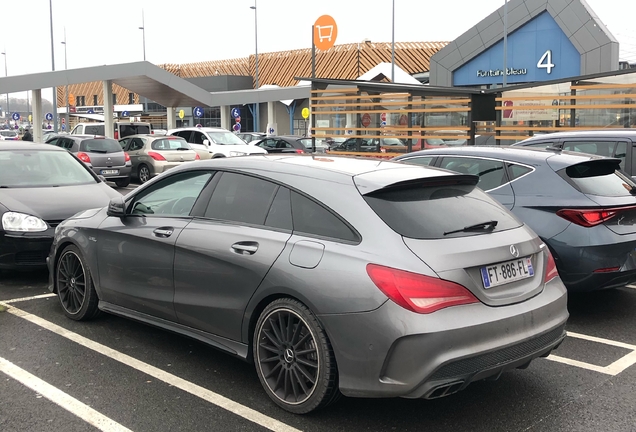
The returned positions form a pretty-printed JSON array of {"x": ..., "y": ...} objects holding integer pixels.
[{"x": 561, "y": 70}]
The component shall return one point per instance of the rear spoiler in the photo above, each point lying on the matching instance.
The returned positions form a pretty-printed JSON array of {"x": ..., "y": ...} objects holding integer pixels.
[{"x": 380, "y": 181}]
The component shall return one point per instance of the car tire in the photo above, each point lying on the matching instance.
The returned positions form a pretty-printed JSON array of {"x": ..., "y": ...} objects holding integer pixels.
[
  {"x": 122, "y": 182},
  {"x": 291, "y": 349},
  {"x": 143, "y": 173},
  {"x": 218, "y": 156},
  {"x": 74, "y": 285}
]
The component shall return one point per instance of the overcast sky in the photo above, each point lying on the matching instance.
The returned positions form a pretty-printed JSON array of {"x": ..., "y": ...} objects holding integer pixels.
[{"x": 107, "y": 32}]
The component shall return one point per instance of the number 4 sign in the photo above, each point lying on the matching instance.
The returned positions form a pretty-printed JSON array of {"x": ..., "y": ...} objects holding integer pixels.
[{"x": 545, "y": 62}]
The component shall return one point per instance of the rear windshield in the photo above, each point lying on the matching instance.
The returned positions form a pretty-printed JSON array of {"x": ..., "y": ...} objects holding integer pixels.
[
  {"x": 28, "y": 168},
  {"x": 170, "y": 144},
  {"x": 94, "y": 129},
  {"x": 599, "y": 178},
  {"x": 430, "y": 212},
  {"x": 103, "y": 145}
]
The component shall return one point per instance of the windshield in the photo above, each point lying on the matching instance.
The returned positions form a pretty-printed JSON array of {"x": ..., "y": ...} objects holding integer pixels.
[
  {"x": 170, "y": 144},
  {"x": 104, "y": 145},
  {"x": 8, "y": 133},
  {"x": 29, "y": 168},
  {"x": 225, "y": 138},
  {"x": 599, "y": 177}
]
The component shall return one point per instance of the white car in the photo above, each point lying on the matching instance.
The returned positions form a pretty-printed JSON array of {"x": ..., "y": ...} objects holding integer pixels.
[{"x": 218, "y": 142}]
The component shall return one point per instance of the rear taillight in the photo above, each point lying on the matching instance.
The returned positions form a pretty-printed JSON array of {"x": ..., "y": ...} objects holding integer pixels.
[
  {"x": 416, "y": 292},
  {"x": 126, "y": 157},
  {"x": 116, "y": 134},
  {"x": 299, "y": 151},
  {"x": 588, "y": 218},
  {"x": 196, "y": 157},
  {"x": 550, "y": 267},
  {"x": 156, "y": 156},
  {"x": 84, "y": 157}
]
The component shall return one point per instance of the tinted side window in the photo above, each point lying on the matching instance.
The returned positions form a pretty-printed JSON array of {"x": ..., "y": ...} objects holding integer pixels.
[
  {"x": 621, "y": 153},
  {"x": 541, "y": 145},
  {"x": 491, "y": 173},
  {"x": 419, "y": 160},
  {"x": 173, "y": 196},
  {"x": 241, "y": 198},
  {"x": 198, "y": 137},
  {"x": 601, "y": 148},
  {"x": 313, "y": 219},
  {"x": 53, "y": 141},
  {"x": 517, "y": 171},
  {"x": 280, "y": 214}
]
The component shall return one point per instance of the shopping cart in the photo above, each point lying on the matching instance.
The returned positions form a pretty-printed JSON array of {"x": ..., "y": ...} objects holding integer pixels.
[{"x": 325, "y": 32}]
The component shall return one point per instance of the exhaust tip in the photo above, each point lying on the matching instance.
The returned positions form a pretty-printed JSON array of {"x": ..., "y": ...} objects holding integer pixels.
[{"x": 445, "y": 390}]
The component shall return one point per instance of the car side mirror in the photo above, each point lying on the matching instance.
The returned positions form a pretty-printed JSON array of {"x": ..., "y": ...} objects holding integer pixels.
[
  {"x": 206, "y": 142},
  {"x": 117, "y": 207}
]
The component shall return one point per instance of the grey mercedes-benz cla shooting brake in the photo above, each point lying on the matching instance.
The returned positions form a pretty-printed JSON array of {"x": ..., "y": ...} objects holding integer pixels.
[{"x": 333, "y": 275}]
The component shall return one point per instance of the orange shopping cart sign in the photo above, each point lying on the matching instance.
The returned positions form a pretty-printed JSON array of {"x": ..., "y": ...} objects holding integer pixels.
[{"x": 325, "y": 32}]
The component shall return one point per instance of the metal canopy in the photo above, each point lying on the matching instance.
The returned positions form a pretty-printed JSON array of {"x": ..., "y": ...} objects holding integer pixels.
[{"x": 143, "y": 78}]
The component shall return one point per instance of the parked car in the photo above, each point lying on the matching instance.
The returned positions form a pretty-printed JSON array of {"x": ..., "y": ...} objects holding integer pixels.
[
  {"x": 152, "y": 155},
  {"x": 103, "y": 155},
  {"x": 248, "y": 137},
  {"x": 121, "y": 129},
  {"x": 40, "y": 186},
  {"x": 216, "y": 141},
  {"x": 604, "y": 142},
  {"x": 159, "y": 132},
  {"x": 582, "y": 206},
  {"x": 10, "y": 135},
  {"x": 334, "y": 275},
  {"x": 372, "y": 144},
  {"x": 289, "y": 144}
]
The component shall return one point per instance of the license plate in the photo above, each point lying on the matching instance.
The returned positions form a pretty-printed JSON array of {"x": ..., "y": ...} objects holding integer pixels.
[
  {"x": 506, "y": 272},
  {"x": 110, "y": 171}
]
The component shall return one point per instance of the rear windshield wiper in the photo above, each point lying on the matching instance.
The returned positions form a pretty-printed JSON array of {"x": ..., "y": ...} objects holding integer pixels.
[
  {"x": 488, "y": 225},
  {"x": 98, "y": 151},
  {"x": 182, "y": 148}
]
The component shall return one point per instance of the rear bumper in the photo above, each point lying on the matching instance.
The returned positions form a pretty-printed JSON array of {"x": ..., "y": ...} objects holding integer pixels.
[
  {"x": 578, "y": 264},
  {"x": 393, "y": 352},
  {"x": 25, "y": 251}
]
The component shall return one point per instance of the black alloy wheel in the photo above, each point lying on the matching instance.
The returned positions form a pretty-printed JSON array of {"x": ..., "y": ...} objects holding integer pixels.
[
  {"x": 74, "y": 285},
  {"x": 294, "y": 359}
]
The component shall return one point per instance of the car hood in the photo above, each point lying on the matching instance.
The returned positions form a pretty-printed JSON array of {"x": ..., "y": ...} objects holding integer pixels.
[{"x": 56, "y": 203}]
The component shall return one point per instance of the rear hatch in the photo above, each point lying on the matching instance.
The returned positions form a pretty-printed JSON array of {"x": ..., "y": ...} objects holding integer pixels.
[
  {"x": 103, "y": 152},
  {"x": 463, "y": 234},
  {"x": 611, "y": 192},
  {"x": 174, "y": 149}
]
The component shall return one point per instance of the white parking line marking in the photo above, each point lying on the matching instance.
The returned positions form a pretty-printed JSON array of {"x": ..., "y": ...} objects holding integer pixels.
[
  {"x": 203, "y": 393},
  {"x": 613, "y": 369},
  {"x": 37, "y": 297},
  {"x": 69, "y": 403}
]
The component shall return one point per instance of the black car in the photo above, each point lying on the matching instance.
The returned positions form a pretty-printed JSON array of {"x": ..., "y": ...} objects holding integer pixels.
[
  {"x": 285, "y": 144},
  {"x": 40, "y": 186},
  {"x": 605, "y": 142},
  {"x": 582, "y": 206}
]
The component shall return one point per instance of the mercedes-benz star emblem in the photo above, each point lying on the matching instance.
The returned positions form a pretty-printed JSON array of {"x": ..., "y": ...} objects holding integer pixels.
[
  {"x": 514, "y": 251},
  {"x": 289, "y": 355}
]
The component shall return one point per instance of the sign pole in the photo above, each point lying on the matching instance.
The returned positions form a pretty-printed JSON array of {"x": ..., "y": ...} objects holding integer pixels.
[
  {"x": 313, "y": 52},
  {"x": 505, "y": 44}
]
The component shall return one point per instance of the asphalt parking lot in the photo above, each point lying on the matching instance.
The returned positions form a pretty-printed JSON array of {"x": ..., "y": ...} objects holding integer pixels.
[{"x": 113, "y": 374}]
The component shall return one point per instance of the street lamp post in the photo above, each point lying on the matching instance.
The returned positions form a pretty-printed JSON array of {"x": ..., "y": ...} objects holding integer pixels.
[
  {"x": 257, "y": 109},
  {"x": 505, "y": 45},
  {"x": 65, "y": 68},
  {"x": 143, "y": 32},
  {"x": 53, "y": 69},
  {"x": 4, "y": 53}
]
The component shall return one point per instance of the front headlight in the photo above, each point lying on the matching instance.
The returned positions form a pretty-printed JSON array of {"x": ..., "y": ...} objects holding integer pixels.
[
  {"x": 235, "y": 153},
  {"x": 12, "y": 221}
]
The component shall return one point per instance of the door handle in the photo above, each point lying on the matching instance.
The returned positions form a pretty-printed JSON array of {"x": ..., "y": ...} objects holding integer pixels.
[
  {"x": 245, "y": 248},
  {"x": 164, "y": 232}
]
